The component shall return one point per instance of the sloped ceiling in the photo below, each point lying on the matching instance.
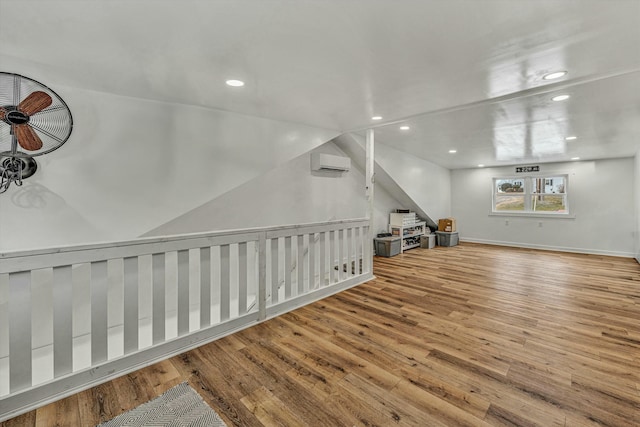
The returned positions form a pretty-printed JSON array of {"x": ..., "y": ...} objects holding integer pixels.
[{"x": 462, "y": 74}]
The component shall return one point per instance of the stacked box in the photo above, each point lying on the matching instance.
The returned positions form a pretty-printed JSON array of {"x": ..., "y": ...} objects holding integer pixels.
[{"x": 447, "y": 224}]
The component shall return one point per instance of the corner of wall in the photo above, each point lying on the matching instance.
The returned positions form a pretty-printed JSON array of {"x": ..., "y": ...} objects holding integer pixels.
[
  {"x": 403, "y": 180},
  {"x": 636, "y": 192}
]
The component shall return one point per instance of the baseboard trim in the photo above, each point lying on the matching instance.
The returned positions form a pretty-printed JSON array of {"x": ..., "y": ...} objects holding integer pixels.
[{"x": 550, "y": 248}]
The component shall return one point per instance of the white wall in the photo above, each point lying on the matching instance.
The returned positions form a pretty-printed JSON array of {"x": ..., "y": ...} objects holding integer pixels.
[
  {"x": 288, "y": 194},
  {"x": 132, "y": 165},
  {"x": 600, "y": 195},
  {"x": 426, "y": 183},
  {"x": 636, "y": 194}
]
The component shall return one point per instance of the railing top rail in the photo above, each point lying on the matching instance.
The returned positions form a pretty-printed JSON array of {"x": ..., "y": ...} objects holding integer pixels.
[{"x": 64, "y": 255}]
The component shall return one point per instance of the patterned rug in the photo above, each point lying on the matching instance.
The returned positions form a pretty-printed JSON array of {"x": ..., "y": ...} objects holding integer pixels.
[{"x": 181, "y": 406}]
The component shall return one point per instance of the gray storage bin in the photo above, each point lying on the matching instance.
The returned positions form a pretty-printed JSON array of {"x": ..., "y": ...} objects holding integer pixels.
[
  {"x": 428, "y": 241},
  {"x": 387, "y": 246},
  {"x": 447, "y": 238}
]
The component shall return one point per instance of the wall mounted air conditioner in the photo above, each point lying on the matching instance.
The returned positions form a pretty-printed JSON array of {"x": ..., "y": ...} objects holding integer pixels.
[{"x": 329, "y": 162}]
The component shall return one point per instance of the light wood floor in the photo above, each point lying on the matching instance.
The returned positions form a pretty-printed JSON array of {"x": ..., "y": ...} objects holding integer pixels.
[{"x": 471, "y": 335}]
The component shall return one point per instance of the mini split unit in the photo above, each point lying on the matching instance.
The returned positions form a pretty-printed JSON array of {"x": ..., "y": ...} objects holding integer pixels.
[{"x": 328, "y": 162}]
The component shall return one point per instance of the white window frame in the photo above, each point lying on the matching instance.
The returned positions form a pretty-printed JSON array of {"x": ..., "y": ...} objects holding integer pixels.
[{"x": 528, "y": 194}]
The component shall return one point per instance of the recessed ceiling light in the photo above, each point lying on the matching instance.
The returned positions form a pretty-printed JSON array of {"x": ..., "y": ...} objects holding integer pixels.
[
  {"x": 453, "y": 151},
  {"x": 575, "y": 158},
  {"x": 554, "y": 75},
  {"x": 235, "y": 83},
  {"x": 560, "y": 98},
  {"x": 404, "y": 127},
  {"x": 376, "y": 118},
  {"x": 481, "y": 165},
  {"x": 571, "y": 138}
]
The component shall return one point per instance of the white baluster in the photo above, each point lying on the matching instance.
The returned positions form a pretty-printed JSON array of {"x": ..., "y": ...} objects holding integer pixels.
[
  {"x": 287, "y": 267},
  {"x": 205, "y": 287},
  {"x": 20, "y": 358},
  {"x": 183, "y": 292},
  {"x": 131, "y": 311},
  {"x": 62, "y": 321},
  {"x": 312, "y": 261},
  {"x": 242, "y": 278},
  {"x": 159, "y": 296},
  {"x": 300, "y": 264},
  {"x": 99, "y": 315},
  {"x": 275, "y": 269}
]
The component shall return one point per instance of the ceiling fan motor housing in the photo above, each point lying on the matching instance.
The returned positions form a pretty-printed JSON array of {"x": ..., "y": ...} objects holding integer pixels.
[{"x": 15, "y": 116}]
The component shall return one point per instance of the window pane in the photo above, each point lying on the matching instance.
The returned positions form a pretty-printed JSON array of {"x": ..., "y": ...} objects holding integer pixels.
[
  {"x": 509, "y": 203},
  {"x": 549, "y": 185},
  {"x": 513, "y": 185},
  {"x": 549, "y": 203}
]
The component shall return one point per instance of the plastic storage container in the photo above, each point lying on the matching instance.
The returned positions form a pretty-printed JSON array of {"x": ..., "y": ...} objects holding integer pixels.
[
  {"x": 428, "y": 241},
  {"x": 447, "y": 238},
  {"x": 387, "y": 246}
]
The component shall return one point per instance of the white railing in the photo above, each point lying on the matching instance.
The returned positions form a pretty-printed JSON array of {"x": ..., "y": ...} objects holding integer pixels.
[{"x": 73, "y": 317}]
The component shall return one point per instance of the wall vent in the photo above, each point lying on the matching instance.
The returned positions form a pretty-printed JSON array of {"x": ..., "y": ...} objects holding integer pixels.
[{"x": 328, "y": 162}]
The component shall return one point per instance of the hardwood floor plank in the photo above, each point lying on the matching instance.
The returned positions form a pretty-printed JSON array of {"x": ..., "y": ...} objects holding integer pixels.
[
  {"x": 562, "y": 359},
  {"x": 99, "y": 404},
  {"x": 392, "y": 405},
  {"x": 470, "y": 335},
  {"x": 255, "y": 371},
  {"x": 270, "y": 410},
  {"x": 46, "y": 416},
  {"x": 495, "y": 389},
  {"x": 64, "y": 413},
  {"x": 380, "y": 346},
  {"x": 25, "y": 420},
  {"x": 497, "y": 415},
  {"x": 469, "y": 402},
  {"x": 355, "y": 410},
  {"x": 216, "y": 386},
  {"x": 135, "y": 389},
  {"x": 605, "y": 403},
  {"x": 371, "y": 364}
]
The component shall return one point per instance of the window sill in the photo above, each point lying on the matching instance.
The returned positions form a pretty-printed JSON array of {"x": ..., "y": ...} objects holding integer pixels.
[{"x": 534, "y": 215}]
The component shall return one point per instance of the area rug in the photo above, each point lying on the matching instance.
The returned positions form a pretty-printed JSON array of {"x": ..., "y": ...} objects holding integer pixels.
[{"x": 181, "y": 406}]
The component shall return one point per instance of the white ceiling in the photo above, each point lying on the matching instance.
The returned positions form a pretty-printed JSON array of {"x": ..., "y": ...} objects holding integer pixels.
[{"x": 463, "y": 74}]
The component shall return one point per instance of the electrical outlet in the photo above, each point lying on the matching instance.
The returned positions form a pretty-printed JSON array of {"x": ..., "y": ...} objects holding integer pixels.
[
  {"x": 540, "y": 224},
  {"x": 506, "y": 222}
]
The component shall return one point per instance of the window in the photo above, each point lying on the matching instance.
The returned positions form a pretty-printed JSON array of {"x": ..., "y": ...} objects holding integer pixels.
[
  {"x": 540, "y": 195},
  {"x": 508, "y": 195}
]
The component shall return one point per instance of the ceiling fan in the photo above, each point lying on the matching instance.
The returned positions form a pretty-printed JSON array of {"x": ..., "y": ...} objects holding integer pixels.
[{"x": 34, "y": 120}]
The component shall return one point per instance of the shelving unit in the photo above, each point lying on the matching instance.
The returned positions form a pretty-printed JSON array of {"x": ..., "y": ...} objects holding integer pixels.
[{"x": 408, "y": 227}]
